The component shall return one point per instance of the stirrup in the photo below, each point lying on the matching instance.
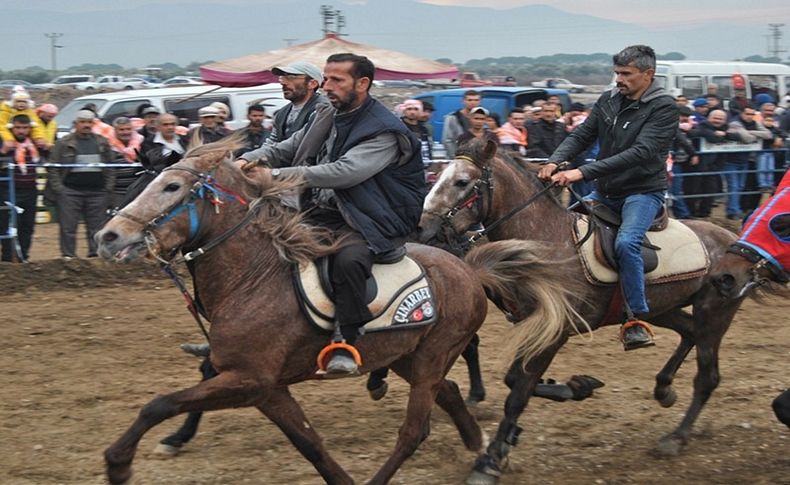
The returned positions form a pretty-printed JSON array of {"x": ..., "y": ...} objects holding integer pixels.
[
  {"x": 634, "y": 322},
  {"x": 326, "y": 354}
]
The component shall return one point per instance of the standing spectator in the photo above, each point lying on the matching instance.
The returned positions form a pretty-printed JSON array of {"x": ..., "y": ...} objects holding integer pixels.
[
  {"x": 713, "y": 130},
  {"x": 22, "y": 152},
  {"x": 165, "y": 141},
  {"x": 411, "y": 110},
  {"x": 458, "y": 122},
  {"x": 126, "y": 144},
  {"x": 82, "y": 192},
  {"x": 300, "y": 82},
  {"x": 681, "y": 100},
  {"x": 766, "y": 161},
  {"x": 513, "y": 135},
  {"x": 49, "y": 127},
  {"x": 746, "y": 130},
  {"x": 701, "y": 110},
  {"x": 209, "y": 130},
  {"x": 683, "y": 156},
  {"x": 427, "y": 112},
  {"x": 224, "y": 113},
  {"x": 254, "y": 134},
  {"x": 148, "y": 115},
  {"x": 545, "y": 134},
  {"x": 476, "y": 127},
  {"x": 20, "y": 104}
]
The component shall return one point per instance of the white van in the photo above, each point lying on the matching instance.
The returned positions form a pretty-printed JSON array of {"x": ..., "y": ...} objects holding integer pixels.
[
  {"x": 184, "y": 102},
  {"x": 691, "y": 78}
]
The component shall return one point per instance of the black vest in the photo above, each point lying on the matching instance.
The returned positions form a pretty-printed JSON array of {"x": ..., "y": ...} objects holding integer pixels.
[{"x": 385, "y": 208}]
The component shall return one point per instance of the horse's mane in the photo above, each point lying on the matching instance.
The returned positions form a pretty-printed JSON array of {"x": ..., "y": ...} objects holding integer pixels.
[{"x": 294, "y": 239}]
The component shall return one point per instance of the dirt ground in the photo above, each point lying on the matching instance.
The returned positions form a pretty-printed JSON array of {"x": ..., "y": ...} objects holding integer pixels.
[{"x": 88, "y": 343}]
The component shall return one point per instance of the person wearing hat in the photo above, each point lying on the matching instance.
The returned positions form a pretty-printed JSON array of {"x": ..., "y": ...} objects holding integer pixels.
[
  {"x": 82, "y": 192},
  {"x": 46, "y": 114},
  {"x": 701, "y": 110},
  {"x": 210, "y": 129},
  {"x": 411, "y": 115},
  {"x": 300, "y": 82},
  {"x": 146, "y": 121},
  {"x": 20, "y": 104},
  {"x": 477, "y": 127},
  {"x": 364, "y": 181}
]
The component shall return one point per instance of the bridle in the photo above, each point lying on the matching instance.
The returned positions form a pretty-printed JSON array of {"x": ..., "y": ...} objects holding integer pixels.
[
  {"x": 483, "y": 186},
  {"x": 206, "y": 189},
  {"x": 758, "y": 262}
]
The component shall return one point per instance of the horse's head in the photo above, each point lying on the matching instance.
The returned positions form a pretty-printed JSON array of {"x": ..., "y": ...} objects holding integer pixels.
[
  {"x": 171, "y": 210},
  {"x": 460, "y": 195},
  {"x": 742, "y": 271}
]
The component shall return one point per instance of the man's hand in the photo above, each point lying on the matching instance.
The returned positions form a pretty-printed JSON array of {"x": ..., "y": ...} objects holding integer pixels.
[
  {"x": 547, "y": 171},
  {"x": 245, "y": 165},
  {"x": 567, "y": 177}
]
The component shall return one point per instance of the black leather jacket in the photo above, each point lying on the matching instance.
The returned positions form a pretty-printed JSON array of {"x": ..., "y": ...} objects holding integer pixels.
[{"x": 634, "y": 142}]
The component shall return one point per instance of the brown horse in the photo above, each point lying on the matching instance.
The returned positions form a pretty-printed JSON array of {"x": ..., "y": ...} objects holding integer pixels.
[
  {"x": 261, "y": 342},
  {"x": 480, "y": 186}
]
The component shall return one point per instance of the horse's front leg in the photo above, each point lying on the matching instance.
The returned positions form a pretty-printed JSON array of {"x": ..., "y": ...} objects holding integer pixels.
[
  {"x": 683, "y": 323},
  {"x": 489, "y": 466},
  {"x": 283, "y": 410},
  {"x": 224, "y": 391}
]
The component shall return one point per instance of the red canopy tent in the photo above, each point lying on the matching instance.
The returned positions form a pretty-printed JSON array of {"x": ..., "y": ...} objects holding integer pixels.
[{"x": 255, "y": 69}]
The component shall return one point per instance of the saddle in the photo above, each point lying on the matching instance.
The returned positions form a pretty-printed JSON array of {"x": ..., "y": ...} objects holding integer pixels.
[
  {"x": 607, "y": 223},
  {"x": 398, "y": 294},
  {"x": 673, "y": 253}
]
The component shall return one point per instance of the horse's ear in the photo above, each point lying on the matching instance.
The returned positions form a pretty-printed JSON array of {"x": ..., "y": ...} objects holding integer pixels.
[
  {"x": 489, "y": 151},
  {"x": 213, "y": 159}
]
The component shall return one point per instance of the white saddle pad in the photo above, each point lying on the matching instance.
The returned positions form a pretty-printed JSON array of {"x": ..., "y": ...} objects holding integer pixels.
[
  {"x": 403, "y": 299},
  {"x": 682, "y": 255}
]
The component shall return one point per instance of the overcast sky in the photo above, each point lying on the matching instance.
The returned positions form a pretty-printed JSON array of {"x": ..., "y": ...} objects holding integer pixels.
[{"x": 184, "y": 31}]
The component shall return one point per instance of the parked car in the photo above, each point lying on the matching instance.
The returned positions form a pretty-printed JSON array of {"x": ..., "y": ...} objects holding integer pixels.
[
  {"x": 67, "y": 80},
  {"x": 400, "y": 83},
  {"x": 559, "y": 83},
  {"x": 502, "y": 80},
  {"x": 472, "y": 80},
  {"x": 496, "y": 99},
  {"x": 183, "y": 102},
  {"x": 113, "y": 82},
  {"x": 182, "y": 81},
  {"x": 11, "y": 83}
]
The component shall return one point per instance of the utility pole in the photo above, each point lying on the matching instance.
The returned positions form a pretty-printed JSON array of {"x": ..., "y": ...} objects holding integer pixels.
[
  {"x": 327, "y": 14},
  {"x": 53, "y": 47},
  {"x": 776, "y": 33}
]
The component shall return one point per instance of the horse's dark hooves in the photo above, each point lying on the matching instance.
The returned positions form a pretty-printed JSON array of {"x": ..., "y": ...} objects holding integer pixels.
[
  {"x": 583, "y": 386},
  {"x": 670, "y": 445},
  {"x": 378, "y": 393},
  {"x": 166, "y": 451},
  {"x": 666, "y": 398},
  {"x": 473, "y": 400},
  {"x": 485, "y": 472}
]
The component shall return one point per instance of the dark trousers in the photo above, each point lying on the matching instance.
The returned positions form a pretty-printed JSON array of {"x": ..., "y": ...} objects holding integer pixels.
[
  {"x": 74, "y": 205},
  {"x": 701, "y": 185},
  {"x": 349, "y": 269},
  {"x": 25, "y": 222}
]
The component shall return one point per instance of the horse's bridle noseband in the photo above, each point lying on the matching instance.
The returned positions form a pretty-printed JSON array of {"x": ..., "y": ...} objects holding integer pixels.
[
  {"x": 483, "y": 188},
  {"x": 205, "y": 188}
]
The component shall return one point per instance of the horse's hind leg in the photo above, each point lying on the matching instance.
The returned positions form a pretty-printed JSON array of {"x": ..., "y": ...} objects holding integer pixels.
[
  {"x": 477, "y": 392},
  {"x": 171, "y": 445},
  {"x": 711, "y": 327},
  {"x": 283, "y": 410},
  {"x": 488, "y": 467},
  {"x": 450, "y": 400},
  {"x": 224, "y": 391},
  {"x": 683, "y": 323}
]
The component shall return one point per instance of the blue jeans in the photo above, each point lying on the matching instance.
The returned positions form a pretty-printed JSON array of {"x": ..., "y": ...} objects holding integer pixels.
[
  {"x": 736, "y": 180},
  {"x": 638, "y": 212},
  {"x": 679, "y": 208},
  {"x": 766, "y": 162}
]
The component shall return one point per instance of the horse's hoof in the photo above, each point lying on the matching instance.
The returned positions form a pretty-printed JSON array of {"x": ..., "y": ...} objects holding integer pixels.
[
  {"x": 473, "y": 401},
  {"x": 480, "y": 478},
  {"x": 166, "y": 451},
  {"x": 378, "y": 393},
  {"x": 670, "y": 445},
  {"x": 119, "y": 475},
  {"x": 667, "y": 398}
]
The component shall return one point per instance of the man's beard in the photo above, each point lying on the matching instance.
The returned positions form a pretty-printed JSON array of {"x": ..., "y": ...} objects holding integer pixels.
[{"x": 344, "y": 105}]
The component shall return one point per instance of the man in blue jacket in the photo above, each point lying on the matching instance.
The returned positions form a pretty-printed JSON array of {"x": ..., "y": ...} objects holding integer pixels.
[
  {"x": 363, "y": 170},
  {"x": 635, "y": 124}
]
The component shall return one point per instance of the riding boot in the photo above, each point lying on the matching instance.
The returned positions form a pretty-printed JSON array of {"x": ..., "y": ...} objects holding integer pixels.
[
  {"x": 636, "y": 333},
  {"x": 342, "y": 360}
]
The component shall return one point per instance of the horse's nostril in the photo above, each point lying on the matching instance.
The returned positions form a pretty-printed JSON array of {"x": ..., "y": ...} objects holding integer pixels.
[{"x": 109, "y": 236}]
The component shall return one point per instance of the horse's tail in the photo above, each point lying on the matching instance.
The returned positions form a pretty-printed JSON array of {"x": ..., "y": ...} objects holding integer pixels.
[{"x": 527, "y": 279}]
